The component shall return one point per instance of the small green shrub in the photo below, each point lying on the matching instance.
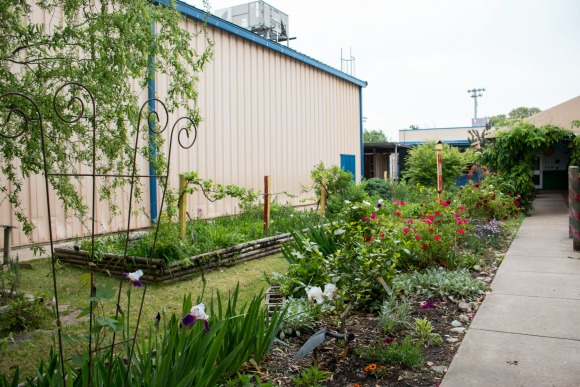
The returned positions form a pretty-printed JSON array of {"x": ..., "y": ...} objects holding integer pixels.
[
  {"x": 421, "y": 165},
  {"x": 394, "y": 315},
  {"x": 23, "y": 315},
  {"x": 352, "y": 193},
  {"x": 405, "y": 354},
  {"x": 432, "y": 283},
  {"x": 311, "y": 377},
  {"x": 299, "y": 317},
  {"x": 424, "y": 331},
  {"x": 377, "y": 188}
]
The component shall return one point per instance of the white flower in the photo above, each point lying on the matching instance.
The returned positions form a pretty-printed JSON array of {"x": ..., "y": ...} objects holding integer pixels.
[
  {"x": 315, "y": 293},
  {"x": 347, "y": 201},
  {"x": 330, "y": 291},
  {"x": 134, "y": 277},
  {"x": 367, "y": 203},
  {"x": 198, "y": 311}
]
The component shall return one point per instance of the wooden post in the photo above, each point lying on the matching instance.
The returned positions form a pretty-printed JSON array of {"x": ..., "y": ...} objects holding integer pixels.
[
  {"x": 266, "y": 203},
  {"x": 438, "y": 151},
  {"x": 386, "y": 176},
  {"x": 323, "y": 196},
  {"x": 574, "y": 206},
  {"x": 182, "y": 206},
  {"x": 7, "y": 244}
]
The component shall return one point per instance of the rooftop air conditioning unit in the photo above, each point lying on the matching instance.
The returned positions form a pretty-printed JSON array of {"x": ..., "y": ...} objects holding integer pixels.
[{"x": 258, "y": 17}]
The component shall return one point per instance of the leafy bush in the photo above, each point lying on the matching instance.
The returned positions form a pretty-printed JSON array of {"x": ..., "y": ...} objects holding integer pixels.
[
  {"x": 23, "y": 314},
  {"x": 336, "y": 179},
  {"x": 421, "y": 165},
  {"x": 439, "y": 283},
  {"x": 351, "y": 193},
  {"x": 377, "y": 188},
  {"x": 485, "y": 200},
  {"x": 405, "y": 354},
  {"x": 299, "y": 316}
]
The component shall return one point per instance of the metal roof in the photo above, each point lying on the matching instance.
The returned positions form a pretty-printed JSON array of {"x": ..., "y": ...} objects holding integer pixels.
[{"x": 216, "y": 22}]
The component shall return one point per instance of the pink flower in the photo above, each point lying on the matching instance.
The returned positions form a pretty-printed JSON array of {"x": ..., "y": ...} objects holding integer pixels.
[
  {"x": 398, "y": 213},
  {"x": 410, "y": 221},
  {"x": 417, "y": 237},
  {"x": 431, "y": 229},
  {"x": 456, "y": 215},
  {"x": 437, "y": 213},
  {"x": 373, "y": 216},
  {"x": 437, "y": 238},
  {"x": 406, "y": 230},
  {"x": 396, "y": 203},
  {"x": 367, "y": 219},
  {"x": 517, "y": 202},
  {"x": 448, "y": 201},
  {"x": 462, "y": 208},
  {"x": 382, "y": 235},
  {"x": 465, "y": 221},
  {"x": 510, "y": 194},
  {"x": 424, "y": 246},
  {"x": 461, "y": 231},
  {"x": 495, "y": 175},
  {"x": 402, "y": 203},
  {"x": 430, "y": 217},
  {"x": 459, "y": 221},
  {"x": 476, "y": 185}
]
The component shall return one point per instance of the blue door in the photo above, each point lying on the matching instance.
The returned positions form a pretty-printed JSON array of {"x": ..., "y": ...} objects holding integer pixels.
[{"x": 347, "y": 163}]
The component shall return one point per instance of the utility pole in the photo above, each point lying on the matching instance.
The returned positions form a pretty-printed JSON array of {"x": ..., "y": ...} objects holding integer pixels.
[{"x": 474, "y": 94}]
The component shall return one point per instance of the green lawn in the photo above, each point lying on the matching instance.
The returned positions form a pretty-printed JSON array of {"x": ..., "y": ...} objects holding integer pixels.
[{"x": 168, "y": 297}]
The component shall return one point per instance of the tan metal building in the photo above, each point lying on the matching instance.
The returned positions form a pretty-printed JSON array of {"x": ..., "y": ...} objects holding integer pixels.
[{"x": 267, "y": 110}]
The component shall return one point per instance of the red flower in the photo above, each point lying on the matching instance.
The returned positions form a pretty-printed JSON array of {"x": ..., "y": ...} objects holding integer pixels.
[
  {"x": 476, "y": 185},
  {"x": 430, "y": 217},
  {"x": 437, "y": 238},
  {"x": 396, "y": 202},
  {"x": 367, "y": 219},
  {"x": 417, "y": 237},
  {"x": 424, "y": 246},
  {"x": 495, "y": 175},
  {"x": 406, "y": 230},
  {"x": 456, "y": 215},
  {"x": 462, "y": 208},
  {"x": 459, "y": 221},
  {"x": 517, "y": 202},
  {"x": 373, "y": 216},
  {"x": 431, "y": 230},
  {"x": 410, "y": 221},
  {"x": 382, "y": 235},
  {"x": 437, "y": 213},
  {"x": 398, "y": 213},
  {"x": 505, "y": 217},
  {"x": 461, "y": 231},
  {"x": 448, "y": 201},
  {"x": 402, "y": 203},
  {"x": 510, "y": 194},
  {"x": 465, "y": 221}
]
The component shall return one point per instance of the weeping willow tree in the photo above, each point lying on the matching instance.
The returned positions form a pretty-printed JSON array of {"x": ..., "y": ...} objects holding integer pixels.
[{"x": 106, "y": 45}]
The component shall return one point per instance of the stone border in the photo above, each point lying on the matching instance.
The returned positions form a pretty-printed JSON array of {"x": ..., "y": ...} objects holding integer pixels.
[{"x": 157, "y": 270}]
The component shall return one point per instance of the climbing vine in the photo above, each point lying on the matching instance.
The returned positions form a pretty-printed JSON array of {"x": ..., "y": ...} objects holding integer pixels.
[{"x": 512, "y": 154}]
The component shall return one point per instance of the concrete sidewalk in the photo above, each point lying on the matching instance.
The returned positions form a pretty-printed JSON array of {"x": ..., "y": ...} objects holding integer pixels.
[{"x": 527, "y": 332}]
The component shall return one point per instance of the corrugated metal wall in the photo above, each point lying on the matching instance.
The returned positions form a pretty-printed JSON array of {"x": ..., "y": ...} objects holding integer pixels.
[{"x": 264, "y": 114}]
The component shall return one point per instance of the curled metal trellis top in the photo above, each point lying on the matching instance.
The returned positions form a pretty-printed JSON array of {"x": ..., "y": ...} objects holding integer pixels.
[{"x": 17, "y": 111}]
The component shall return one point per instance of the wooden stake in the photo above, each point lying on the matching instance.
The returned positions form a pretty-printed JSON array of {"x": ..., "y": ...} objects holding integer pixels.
[
  {"x": 323, "y": 197},
  {"x": 182, "y": 206},
  {"x": 266, "y": 203}
]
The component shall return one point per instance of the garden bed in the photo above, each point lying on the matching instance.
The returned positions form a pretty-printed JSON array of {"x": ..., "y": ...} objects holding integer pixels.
[{"x": 159, "y": 271}]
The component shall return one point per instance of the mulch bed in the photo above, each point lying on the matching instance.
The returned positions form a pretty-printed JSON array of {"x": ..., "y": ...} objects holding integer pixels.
[{"x": 351, "y": 369}]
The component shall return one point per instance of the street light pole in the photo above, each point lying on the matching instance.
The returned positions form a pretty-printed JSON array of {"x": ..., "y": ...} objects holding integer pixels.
[{"x": 474, "y": 94}]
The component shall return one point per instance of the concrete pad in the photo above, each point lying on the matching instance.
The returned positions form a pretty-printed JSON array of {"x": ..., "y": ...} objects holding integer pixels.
[
  {"x": 537, "y": 284},
  {"x": 539, "y": 316},
  {"x": 488, "y": 359},
  {"x": 562, "y": 264}
]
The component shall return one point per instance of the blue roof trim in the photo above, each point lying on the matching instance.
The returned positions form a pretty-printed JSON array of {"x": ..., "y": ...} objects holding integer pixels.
[
  {"x": 452, "y": 142},
  {"x": 454, "y": 127},
  {"x": 243, "y": 33}
]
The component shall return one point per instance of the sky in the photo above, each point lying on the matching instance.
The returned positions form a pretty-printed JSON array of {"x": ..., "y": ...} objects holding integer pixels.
[{"x": 420, "y": 57}]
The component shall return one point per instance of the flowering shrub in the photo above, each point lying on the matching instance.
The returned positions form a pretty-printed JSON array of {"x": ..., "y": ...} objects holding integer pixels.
[{"x": 486, "y": 201}]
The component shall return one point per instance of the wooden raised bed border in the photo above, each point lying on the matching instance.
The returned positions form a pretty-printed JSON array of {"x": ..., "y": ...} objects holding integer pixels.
[{"x": 157, "y": 270}]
